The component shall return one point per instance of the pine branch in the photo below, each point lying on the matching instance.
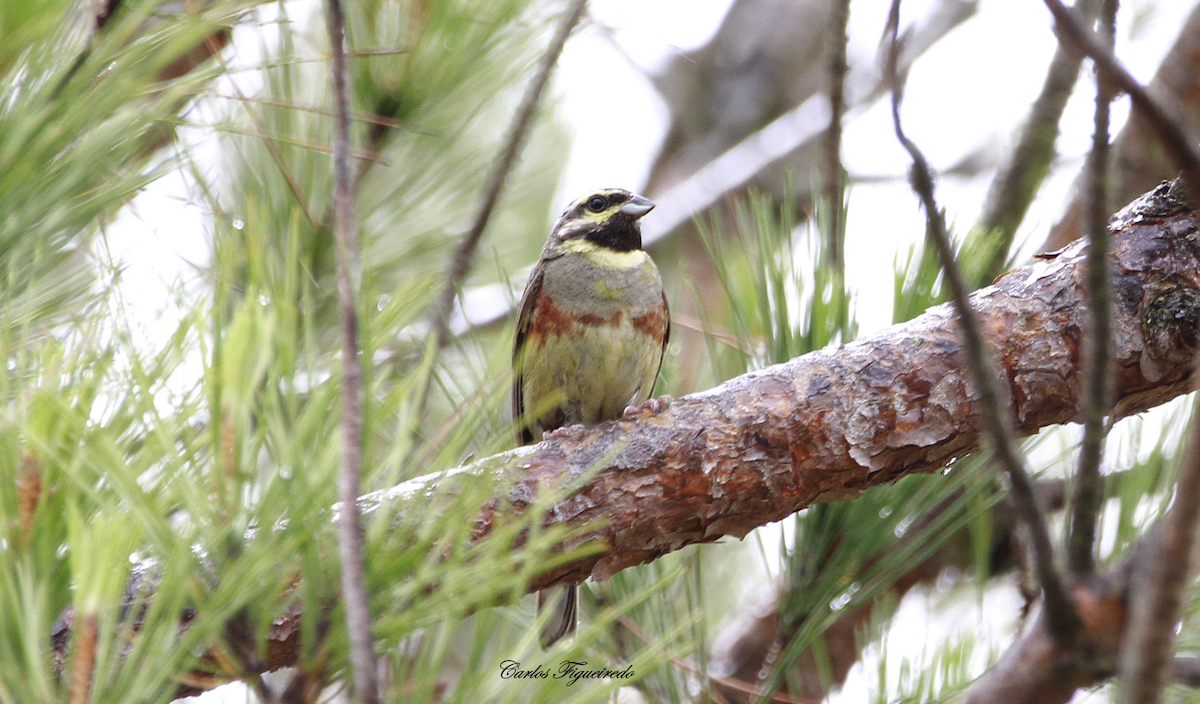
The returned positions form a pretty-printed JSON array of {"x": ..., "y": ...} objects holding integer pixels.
[
  {"x": 749, "y": 640},
  {"x": 1037, "y": 669},
  {"x": 828, "y": 425}
]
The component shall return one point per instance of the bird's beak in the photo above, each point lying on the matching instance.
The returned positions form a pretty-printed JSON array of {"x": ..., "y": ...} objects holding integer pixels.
[{"x": 637, "y": 206}]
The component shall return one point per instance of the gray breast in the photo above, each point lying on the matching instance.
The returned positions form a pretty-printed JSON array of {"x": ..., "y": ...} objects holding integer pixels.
[{"x": 587, "y": 288}]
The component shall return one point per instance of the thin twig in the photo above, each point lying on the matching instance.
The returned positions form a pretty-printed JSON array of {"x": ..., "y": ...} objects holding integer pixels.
[
  {"x": 1186, "y": 671},
  {"x": 1159, "y": 116},
  {"x": 994, "y": 415},
  {"x": 835, "y": 174},
  {"x": 838, "y": 19},
  {"x": 360, "y": 154},
  {"x": 1018, "y": 178},
  {"x": 369, "y": 118},
  {"x": 460, "y": 264},
  {"x": 1097, "y": 342},
  {"x": 350, "y": 535}
]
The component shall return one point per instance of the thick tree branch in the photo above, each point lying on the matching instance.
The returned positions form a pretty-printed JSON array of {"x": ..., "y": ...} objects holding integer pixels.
[
  {"x": 830, "y": 424},
  {"x": 833, "y": 423}
]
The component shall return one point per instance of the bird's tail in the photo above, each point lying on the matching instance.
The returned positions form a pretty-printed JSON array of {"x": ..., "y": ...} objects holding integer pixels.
[{"x": 563, "y": 601}]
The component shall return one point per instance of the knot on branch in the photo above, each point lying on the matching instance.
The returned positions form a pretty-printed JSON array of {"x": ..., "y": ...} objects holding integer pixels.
[{"x": 1169, "y": 324}]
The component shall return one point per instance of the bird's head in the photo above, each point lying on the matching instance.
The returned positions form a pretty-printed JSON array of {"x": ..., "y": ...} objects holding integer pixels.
[{"x": 606, "y": 218}]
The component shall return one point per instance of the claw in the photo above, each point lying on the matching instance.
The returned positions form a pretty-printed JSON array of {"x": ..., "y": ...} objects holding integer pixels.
[
  {"x": 654, "y": 405},
  {"x": 562, "y": 430}
]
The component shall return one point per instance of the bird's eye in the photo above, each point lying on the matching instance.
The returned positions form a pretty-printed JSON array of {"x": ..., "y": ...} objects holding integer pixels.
[{"x": 596, "y": 203}]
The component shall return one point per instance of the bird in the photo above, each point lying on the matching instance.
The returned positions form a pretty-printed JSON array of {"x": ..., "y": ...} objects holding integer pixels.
[{"x": 592, "y": 329}]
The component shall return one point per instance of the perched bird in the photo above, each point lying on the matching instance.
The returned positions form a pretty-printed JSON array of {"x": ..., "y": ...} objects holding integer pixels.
[{"x": 591, "y": 333}]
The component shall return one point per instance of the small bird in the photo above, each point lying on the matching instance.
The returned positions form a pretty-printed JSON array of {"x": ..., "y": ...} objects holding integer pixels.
[{"x": 591, "y": 333}]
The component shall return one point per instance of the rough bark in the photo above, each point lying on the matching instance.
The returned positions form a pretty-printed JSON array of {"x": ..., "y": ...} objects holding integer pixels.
[{"x": 833, "y": 423}]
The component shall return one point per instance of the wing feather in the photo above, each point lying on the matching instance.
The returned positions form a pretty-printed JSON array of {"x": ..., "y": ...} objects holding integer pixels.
[
  {"x": 524, "y": 321},
  {"x": 662, "y": 353}
]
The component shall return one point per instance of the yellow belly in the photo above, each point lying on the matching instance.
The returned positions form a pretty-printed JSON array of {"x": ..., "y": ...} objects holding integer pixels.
[{"x": 588, "y": 375}]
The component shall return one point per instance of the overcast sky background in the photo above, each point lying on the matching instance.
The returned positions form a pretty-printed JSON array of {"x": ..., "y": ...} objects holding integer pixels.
[{"x": 968, "y": 92}]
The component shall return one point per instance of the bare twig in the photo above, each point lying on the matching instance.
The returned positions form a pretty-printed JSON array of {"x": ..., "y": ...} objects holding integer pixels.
[
  {"x": 350, "y": 534},
  {"x": 1017, "y": 180},
  {"x": 1085, "y": 502},
  {"x": 1175, "y": 142},
  {"x": 838, "y": 19},
  {"x": 460, "y": 264},
  {"x": 995, "y": 415}
]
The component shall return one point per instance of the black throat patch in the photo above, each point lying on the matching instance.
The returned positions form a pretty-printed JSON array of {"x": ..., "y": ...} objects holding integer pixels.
[{"x": 621, "y": 233}]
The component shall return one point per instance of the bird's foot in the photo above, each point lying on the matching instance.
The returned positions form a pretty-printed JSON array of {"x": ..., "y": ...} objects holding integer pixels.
[
  {"x": 654, "y": 405},
  {"x": 563, "y": 430}
]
